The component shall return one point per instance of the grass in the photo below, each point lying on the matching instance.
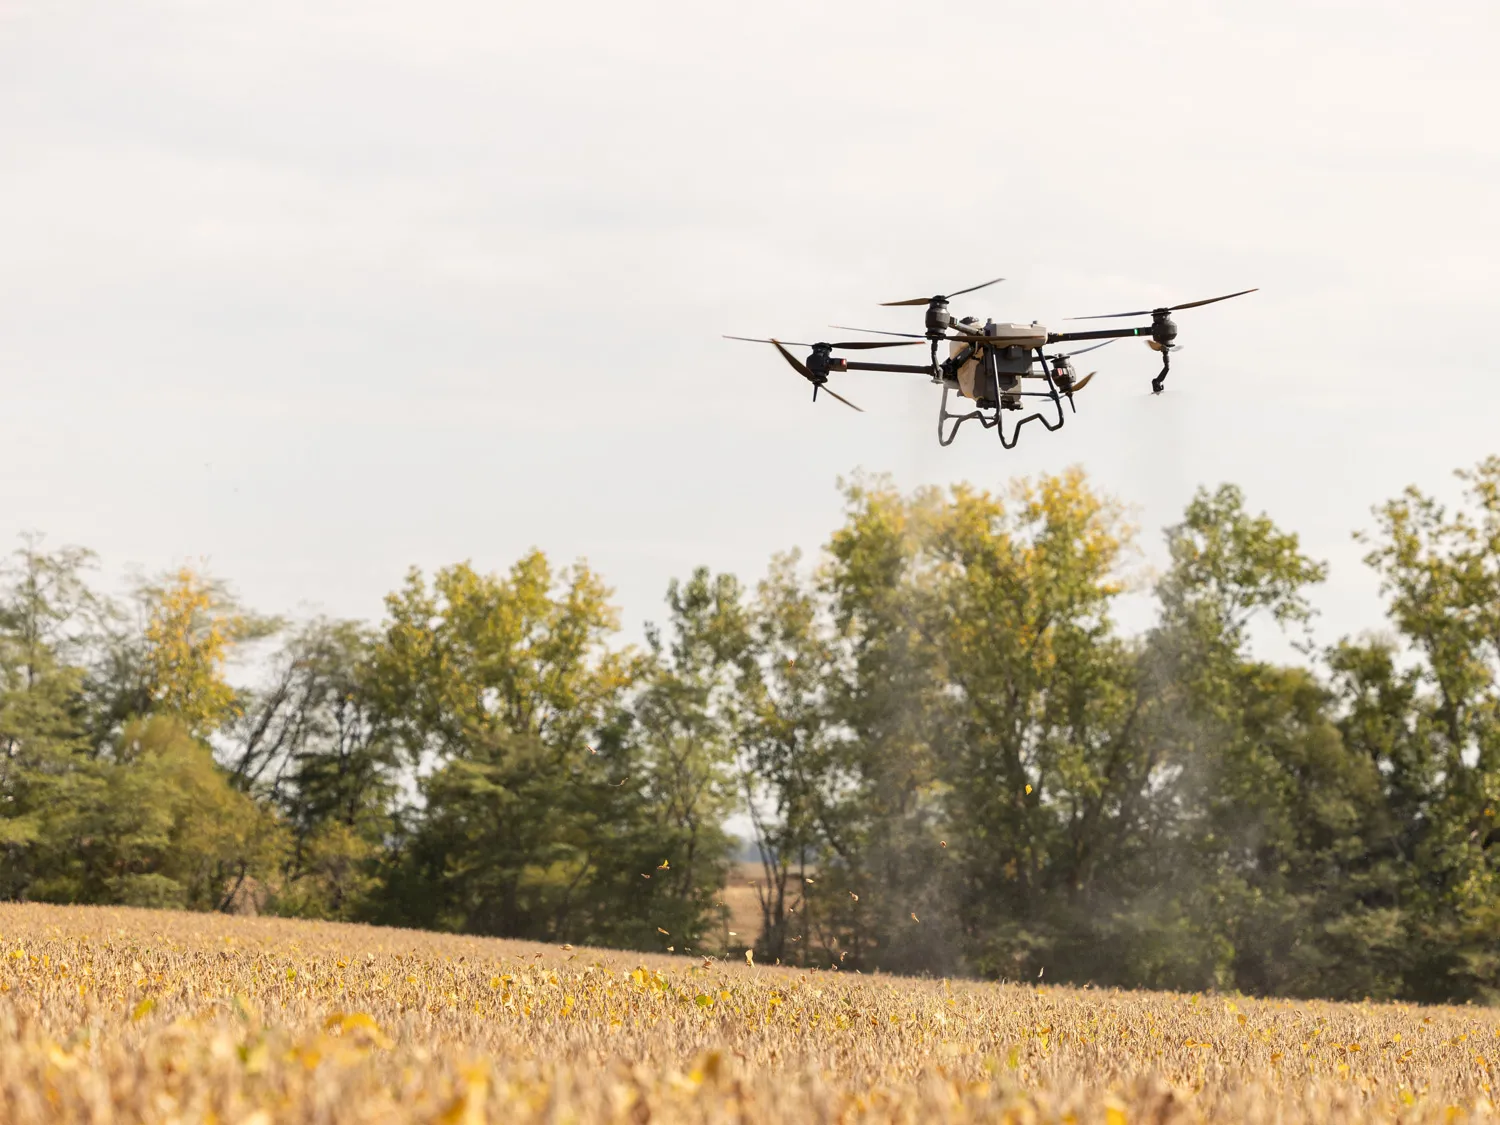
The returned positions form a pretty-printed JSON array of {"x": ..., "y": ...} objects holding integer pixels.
[{"x": 112, "y": 1015}]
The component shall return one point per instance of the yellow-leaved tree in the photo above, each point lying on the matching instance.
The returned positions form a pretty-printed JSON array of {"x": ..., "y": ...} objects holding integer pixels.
[{"x": 192, "y": 628}]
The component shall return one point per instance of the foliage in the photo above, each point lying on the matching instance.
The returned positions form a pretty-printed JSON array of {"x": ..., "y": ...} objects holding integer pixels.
[{"x": 951, "y": 757}]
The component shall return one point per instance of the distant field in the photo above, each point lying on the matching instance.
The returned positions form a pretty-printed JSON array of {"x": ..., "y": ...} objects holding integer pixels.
[
  {"x": 742, "y": 924},
  {"x": 132, "y": 1016}
]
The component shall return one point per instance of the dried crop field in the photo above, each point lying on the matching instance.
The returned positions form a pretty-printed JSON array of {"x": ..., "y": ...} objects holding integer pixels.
[{"x": 125, "y": 1016}]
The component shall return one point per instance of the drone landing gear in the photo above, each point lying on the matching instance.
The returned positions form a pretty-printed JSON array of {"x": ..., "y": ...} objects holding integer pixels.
[{"x": 995, "y": 419}]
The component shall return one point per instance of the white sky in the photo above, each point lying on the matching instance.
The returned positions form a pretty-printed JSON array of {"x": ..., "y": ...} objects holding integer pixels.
[{"x": 318, "y": 290}]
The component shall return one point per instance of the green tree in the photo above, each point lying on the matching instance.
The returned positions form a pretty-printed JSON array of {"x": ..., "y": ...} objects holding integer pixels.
[
  {"x": 1042, "y": 757},
  {"x": 43, "y": 604},
  {"x": 1431, "y": 724},
  {"x": 1276, "y": 887},
  {"x": 685, "y": 729},
  {"x": 312, "y": 743},
  {"x": 154, "y": 822},
  {"x": 789, "y": 760},
  {"x": 507, "y": 690},
  {"x": 882, "y": 787}
]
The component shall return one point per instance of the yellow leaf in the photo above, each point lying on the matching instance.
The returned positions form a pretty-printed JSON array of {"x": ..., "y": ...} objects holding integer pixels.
[
  {"x": 1028, "y": 791},
  {"x": 141, "y": 1010},
  {"x": 749, "y": 956}
]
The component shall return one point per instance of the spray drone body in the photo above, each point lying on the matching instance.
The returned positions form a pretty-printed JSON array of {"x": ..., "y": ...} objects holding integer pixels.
[{"x": 989, "y": 363}]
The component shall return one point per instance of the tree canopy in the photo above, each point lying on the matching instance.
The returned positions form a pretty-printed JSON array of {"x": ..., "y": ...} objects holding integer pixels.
[{"x": 951, "y": 756}]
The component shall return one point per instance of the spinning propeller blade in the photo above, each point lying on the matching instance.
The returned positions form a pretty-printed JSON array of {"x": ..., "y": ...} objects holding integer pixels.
[
  {"x": 798, "y": 367},
  {"x": 851, "y": 344},
  {"x": 1080, "y": 351},
  {"x": 879, "y": 332},
  {"x": 940, "y": 296},
  {"x": 961, "y": 338},
  {"x": 1155, "y": 347},
  {"x": 842, "y": 399},
  {"x": 1078, "y": 386},
  {"x": 1173, "y": 308}
]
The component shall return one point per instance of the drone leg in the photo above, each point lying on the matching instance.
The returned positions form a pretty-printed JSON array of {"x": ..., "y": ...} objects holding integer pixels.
[
  {"x": 1166, "y": 363},
  {"x": 957, "y": 419}
]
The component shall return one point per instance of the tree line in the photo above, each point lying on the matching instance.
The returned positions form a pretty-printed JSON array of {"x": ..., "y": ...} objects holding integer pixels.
[{"x": 953, "y": 757}]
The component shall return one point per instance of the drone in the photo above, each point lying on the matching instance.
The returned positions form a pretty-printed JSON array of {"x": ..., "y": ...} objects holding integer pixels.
[{"x": 989, "y": 363}]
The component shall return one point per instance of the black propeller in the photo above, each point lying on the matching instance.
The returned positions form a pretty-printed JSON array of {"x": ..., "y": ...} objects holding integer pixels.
[
  {"x": 1169, "y": 309},
  {"x": 961, "y": 338},
  {"x": 800, "y": 369},
  {"x": 1080, "y": 351},
  {"x": 941, "y": 298},
  {"x": 853, "y": 344}
]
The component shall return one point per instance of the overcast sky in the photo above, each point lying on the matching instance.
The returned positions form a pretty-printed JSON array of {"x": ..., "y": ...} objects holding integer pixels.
[{"x": 320, "y": 290}]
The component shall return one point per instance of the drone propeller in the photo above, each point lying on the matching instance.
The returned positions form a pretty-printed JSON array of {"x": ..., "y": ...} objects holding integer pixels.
[
  {"x": 1156, "y": 347},
  {"x": 800, "y": 369},
  {"x": 940, "y": 298},
  {"x": 883, "y": 332},
  {"x": 853, "y": 344},
  {"x": 1080, "y": 351},
  {"x": 1078, "y": 386},
  {"x": 961, "y": 338},
  {"x": 1170, "y": 309}
]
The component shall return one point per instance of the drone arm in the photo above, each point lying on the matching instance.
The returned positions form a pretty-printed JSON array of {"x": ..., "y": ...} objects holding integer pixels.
[
  {"x": 1098, "y": 334},
  {"x": 857, "y": 365}
]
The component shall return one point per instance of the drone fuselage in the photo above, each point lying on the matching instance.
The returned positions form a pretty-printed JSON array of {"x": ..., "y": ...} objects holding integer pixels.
[{"x": 991, "y": 374}]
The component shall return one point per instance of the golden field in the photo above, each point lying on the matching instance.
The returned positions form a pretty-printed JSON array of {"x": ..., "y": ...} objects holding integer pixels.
[{"x": 112, "y": 1015}]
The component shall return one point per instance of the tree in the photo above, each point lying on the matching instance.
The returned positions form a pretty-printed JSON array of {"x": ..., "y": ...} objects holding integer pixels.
[
  {"x": 166, "y": 652},
  {"x": 789, "y": 763},
  {"x": 1042, "y": 755},
  {"x": 312, "y": 743},
  {"x": 686, "y": 738},
  {"x": 1433, "y": 727},
  {"x": 153, "y": 823},
  {"x": 507, "y": 689},
  {"x": 887, "y": 705},
  {"x": 42, "y": 734},
  {"x": 1275, "y": 880}
]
